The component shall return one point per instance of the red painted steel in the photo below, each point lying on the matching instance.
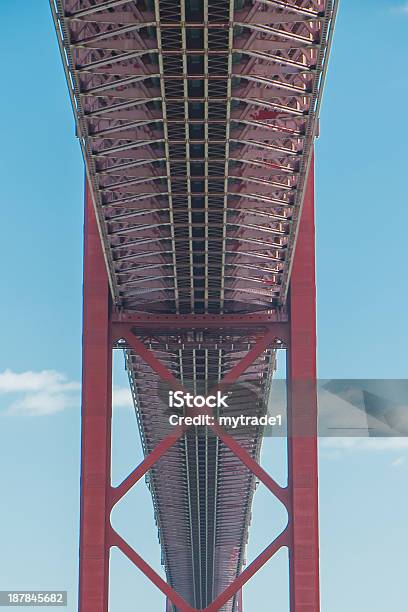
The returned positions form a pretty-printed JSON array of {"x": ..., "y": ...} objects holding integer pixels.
[
  {"x": 197, "y": 123},
  {"x": 149, "y": 572},
  {"x": 302, "y": 418},
  {"x": 249, "y": 572},
  {"x": 171, "y": 439},
  {"x": 96, "y": 423},
  {"x": 207, "y": 321},
  {"x": 97, "y": 495},
  {"x": 300, "y": 497},
  {"x": 240, "y": 149}
]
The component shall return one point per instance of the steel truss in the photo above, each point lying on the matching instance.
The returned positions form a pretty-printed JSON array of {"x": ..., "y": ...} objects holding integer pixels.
[
  {"x": 145, "y": 337},
  {"x": 196, "y": 120}
]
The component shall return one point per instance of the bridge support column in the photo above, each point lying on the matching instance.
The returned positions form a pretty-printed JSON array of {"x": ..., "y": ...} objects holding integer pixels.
[
  {"x": 302, "y": 418},
  {"x": 96, "y": 424}
]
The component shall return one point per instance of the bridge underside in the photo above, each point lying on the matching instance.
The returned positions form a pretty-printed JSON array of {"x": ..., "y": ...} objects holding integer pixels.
[
  {"x": 196, "y": 119},
  {"x": 202, "y": 492}
]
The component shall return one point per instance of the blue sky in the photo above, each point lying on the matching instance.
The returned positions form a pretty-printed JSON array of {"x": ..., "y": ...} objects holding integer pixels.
[{"x": 362, "y": 296}]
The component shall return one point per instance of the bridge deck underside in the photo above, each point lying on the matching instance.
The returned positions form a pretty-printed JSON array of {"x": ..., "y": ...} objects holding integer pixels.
[
  {"x": 197, "y": 119},
  {"x": 201, "y": 491}
]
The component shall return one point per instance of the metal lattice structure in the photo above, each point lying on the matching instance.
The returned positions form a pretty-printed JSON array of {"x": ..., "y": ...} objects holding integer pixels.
[
  {"x": 203, "y": 540},
  {"x": 196, "y": 120}
]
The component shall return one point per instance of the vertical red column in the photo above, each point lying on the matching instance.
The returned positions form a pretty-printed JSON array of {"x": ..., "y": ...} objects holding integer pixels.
[
  {"x": 302, "y": 417},
  {"x": 96, "y": 423}
]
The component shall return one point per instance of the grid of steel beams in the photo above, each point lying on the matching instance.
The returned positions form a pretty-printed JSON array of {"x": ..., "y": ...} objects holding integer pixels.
[
  {"x": 202, "y": 492},
  {"x": 196, "y": 119}
]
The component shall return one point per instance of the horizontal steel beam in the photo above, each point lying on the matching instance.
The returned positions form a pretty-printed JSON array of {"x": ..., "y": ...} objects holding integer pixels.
[{"x": 276, "y": 318}]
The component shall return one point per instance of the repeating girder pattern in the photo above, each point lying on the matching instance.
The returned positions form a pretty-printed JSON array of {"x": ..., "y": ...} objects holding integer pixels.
[
  {"x": 201, "y": 492},
  {"x": 196, "y": 119}
]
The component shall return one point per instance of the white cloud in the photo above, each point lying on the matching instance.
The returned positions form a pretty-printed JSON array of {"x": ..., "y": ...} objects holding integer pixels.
[
  {"x": 18, "y": 382},
  {"x": 38, "y": 393},
  {"x": 122, "y": 397},
  {"x": 46, "y": 392},
  {"x": 365, "y": 444}
]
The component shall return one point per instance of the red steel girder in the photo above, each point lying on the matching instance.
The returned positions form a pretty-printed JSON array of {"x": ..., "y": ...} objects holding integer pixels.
[
  {"x": 149, "y": 97},
  {"x": 146, "y": 321},
  {"x": 95, "y": 423},
  {"x": 302, "y": 418},
  {"x": 299, "y": 497}
]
